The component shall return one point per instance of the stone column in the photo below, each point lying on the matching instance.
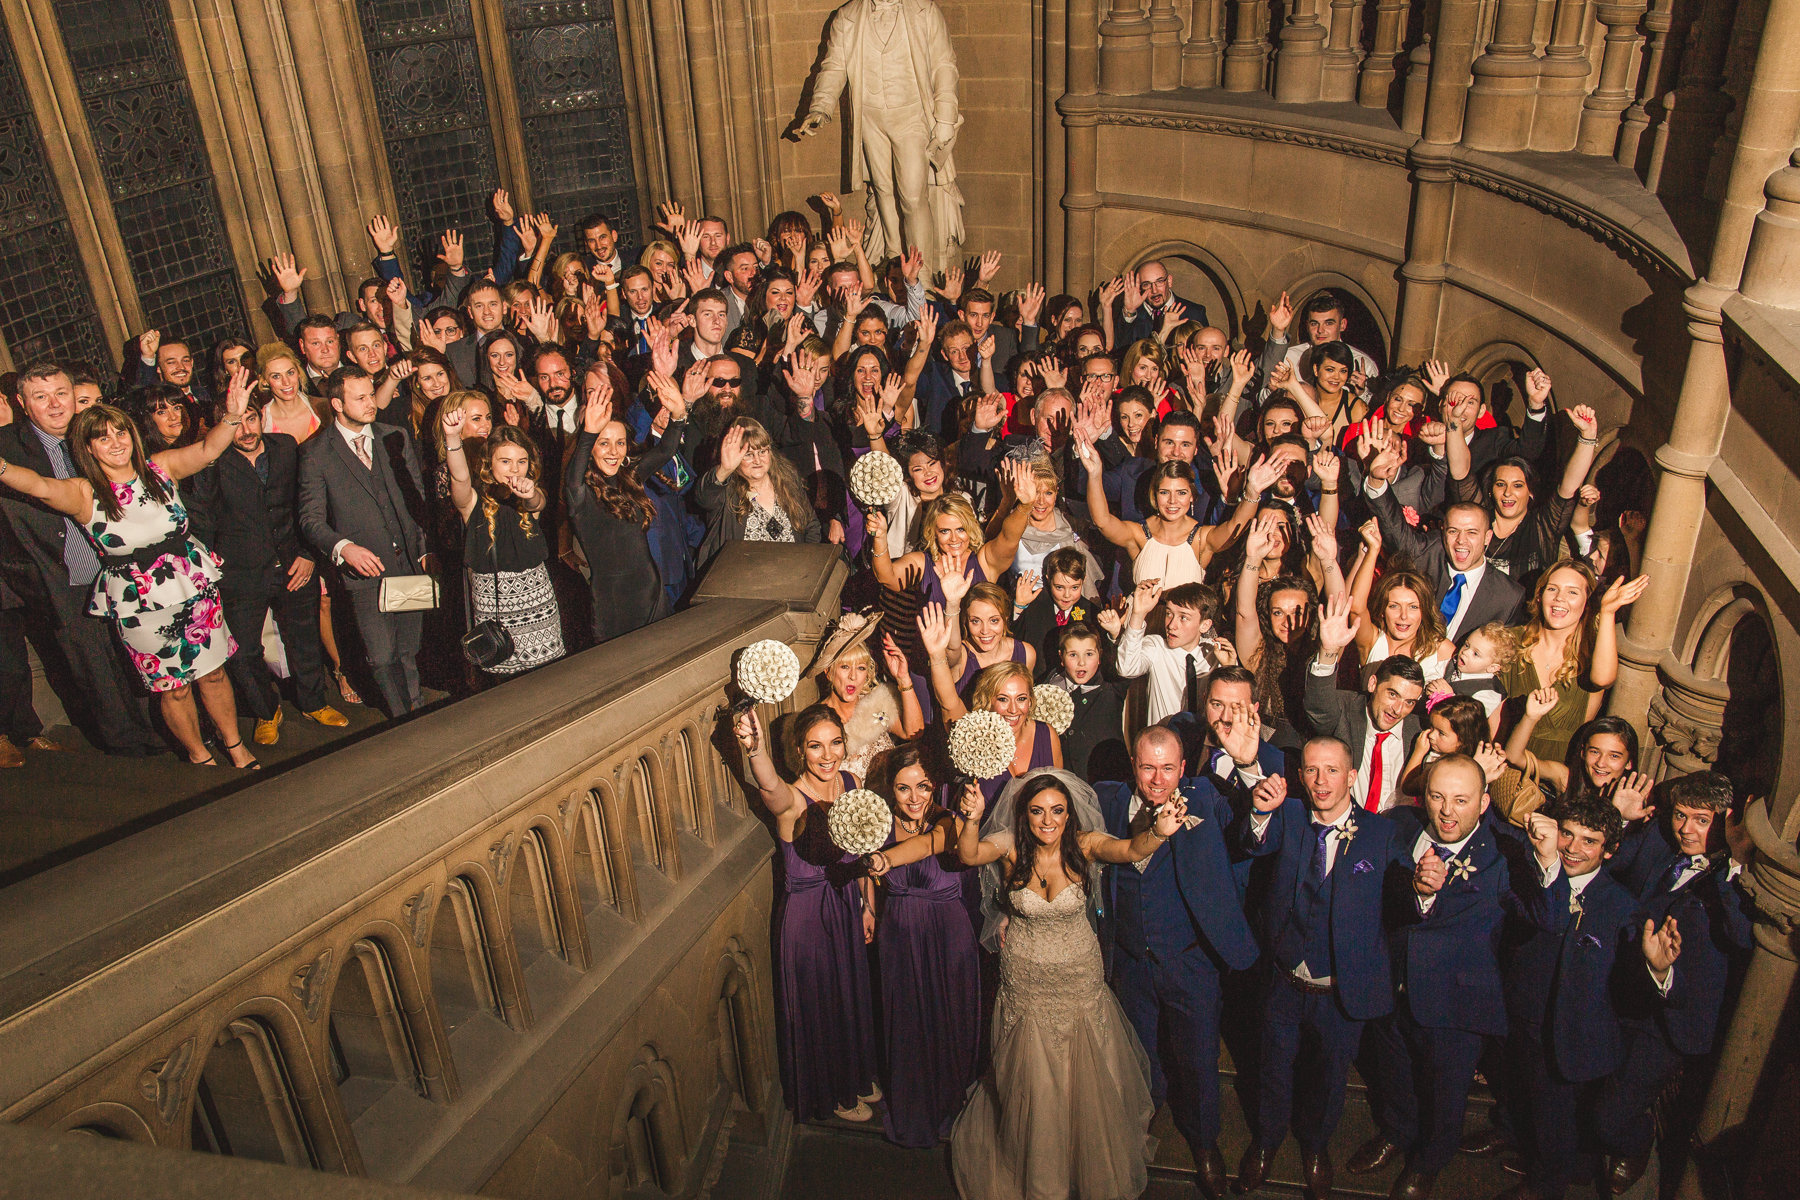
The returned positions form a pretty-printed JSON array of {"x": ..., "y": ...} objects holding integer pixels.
[
  {"x": 1423, "y": 273},
  {"x": 1343, "y": 52},
  {"x": 1772, "y": 263},
  {"x": 1658, "y": 66},
  {"x": 1081, "y": 198},
  {"x": 1125, "y": 49},
  {"x": 1202, "y": 53},
  {"x": 1165, "y": 46},
  {"x": 1300, "y": 57},
  {"x": 710, "y": 115},
  {"x": 1501, "y": 98},
  {"x": 744, "y": 116},
  {"x": 673, "y": 92},
  {"x": 1247, "y": 58},
  {"x": 1562, "y": 79},
  {"x": 1694, "y": 113},
  {"x": 1452, "y": 52},
  {"x": 1418, "y": 82},
  {"x": 1601, "y": 110},
  {"x": 1379, "y": 70},
  {"x": 1055, "y": 59}
]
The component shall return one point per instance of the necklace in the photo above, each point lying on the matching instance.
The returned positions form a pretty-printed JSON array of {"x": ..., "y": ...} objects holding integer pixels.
[{"x": 915, "y": 827}]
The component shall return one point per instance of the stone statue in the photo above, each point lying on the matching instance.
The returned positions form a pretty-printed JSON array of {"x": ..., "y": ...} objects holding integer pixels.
[{"x": 895, "y": 58}]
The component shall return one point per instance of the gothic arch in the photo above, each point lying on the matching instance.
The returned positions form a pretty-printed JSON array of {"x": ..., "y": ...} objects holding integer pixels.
[
  {"x": 1725, "y": 708},
  {"x": 1365, "y": 310},
  {"x": 109, "y": 1119},
  {"x": 1501, "y": 366},
  {"x": 647, "y": 1151},
  {"x": 742, "y": 1053}
]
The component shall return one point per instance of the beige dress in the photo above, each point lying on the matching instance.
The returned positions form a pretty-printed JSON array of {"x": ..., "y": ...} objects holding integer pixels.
[
  {"x": 1174, "y": 565},
  {"x": 1065, "y": 1106}
]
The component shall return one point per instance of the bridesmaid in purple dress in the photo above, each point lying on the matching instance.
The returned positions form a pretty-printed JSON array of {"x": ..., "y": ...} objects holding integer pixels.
[
  {"x": 930, "y": 968},
  {"x": 826, "y": 1023},
  {"x": 1003, "y": 688}
]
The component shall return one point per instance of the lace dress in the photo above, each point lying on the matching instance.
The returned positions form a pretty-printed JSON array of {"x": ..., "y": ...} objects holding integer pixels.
[{"x": 1065, "y": 1106}]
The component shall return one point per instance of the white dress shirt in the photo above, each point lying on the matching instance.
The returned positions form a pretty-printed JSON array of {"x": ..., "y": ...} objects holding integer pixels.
[
  {"x": 560, "y": 417},
  {"x": 1393, "y": 763},
  {"x": 1167, "y": 668}
]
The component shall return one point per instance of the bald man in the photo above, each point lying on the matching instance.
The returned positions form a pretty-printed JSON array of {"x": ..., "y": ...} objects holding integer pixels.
[{"x": 1159, "y": 298}]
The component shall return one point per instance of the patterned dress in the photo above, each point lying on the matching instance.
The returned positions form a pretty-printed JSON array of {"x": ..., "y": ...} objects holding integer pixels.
[
  {"x": 509, "y": 582},
  {"x": 159, "y": 586}
]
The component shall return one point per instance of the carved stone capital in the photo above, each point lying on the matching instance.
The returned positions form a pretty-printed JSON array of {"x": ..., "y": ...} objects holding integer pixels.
[
  {"x": 162, "y": 1082},
  {"x": 308, "y": 984}
]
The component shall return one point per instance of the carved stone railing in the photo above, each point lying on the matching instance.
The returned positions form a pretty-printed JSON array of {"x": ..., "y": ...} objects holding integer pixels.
[{"x": 518, "y": 945}]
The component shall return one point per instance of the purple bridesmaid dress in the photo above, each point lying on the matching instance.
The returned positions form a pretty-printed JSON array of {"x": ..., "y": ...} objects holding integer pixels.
[
  {"x": 930, "y": 999},
  {"x": 826, "y": 1019}
]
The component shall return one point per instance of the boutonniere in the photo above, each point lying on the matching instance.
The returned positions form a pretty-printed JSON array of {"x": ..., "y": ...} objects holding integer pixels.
[
  {"x": 1460, "y": 869},
  {"x": 1190, "y": 821},
  {"x": 1348, "y": 833},
  {"x": 1362, "y": 867}
]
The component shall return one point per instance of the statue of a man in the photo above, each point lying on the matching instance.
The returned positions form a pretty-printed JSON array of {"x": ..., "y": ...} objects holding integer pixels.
[{"x": 896, "y": 60}]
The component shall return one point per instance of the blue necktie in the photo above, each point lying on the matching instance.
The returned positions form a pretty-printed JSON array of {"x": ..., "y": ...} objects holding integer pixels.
[
  {"x": 1318, "y": 858},
  {"x": 79, "y": 558},
  {"x": 1444, "y": 853},
  {"x": 1453, "y": 597}
]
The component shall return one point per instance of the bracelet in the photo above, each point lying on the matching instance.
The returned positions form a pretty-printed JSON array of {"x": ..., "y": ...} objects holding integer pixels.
[
  {"x": 234, "y": 419},
  {"x": 1590, "y": 441},
  {"x": 448, "y": 446},
  {"x": 1328, "y": 491}
]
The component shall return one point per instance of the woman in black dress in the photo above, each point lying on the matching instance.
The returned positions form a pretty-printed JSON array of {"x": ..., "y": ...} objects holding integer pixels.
[{"x": 611, "y": 514}]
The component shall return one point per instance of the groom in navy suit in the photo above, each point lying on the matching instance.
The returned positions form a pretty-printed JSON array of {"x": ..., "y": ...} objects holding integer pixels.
[
  {"x": 1176, "y": 926},
  {"x": 1320, "y": 887}
]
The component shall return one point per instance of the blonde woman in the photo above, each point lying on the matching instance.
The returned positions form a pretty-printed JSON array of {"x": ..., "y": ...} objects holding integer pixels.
[
  {"x": 286, "y": 408},
  {"x": 956, "y": 545},
  {"x": 875, "y": 716}
]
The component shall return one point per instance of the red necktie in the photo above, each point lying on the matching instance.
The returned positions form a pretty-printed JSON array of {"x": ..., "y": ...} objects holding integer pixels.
[{"x": 1372, "y": 802}]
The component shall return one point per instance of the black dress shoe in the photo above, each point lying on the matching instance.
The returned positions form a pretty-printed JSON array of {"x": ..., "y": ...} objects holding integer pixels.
[
  {"x": 1315, "y": 1169},
  {"x": 1372, "y": 1155},
  {"x": 1413, "y": 1185},
  {"x": 1209, "y": 1173},
  {"x": 1253, "y": 1168},
  {"x": 1621, "y": 1173},
  {"x": 1484, "y": 1142}
]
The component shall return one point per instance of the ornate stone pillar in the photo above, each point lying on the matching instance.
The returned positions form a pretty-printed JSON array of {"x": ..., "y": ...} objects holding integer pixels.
[
  {"x": 1383, "y": 64},
  {"x": 1601, "y": 110},
  {"x": 1658, "y": 66},
  {"x": 1247, "y": 58},
  {"x": 1300, "y": 58},
  {"x": 1343, "y": 52},
  {"x": 710, "y": 115},
  {"x": 1562, "y": 79},
  {"x": 1081, "y": 198},
  {"x": 1452, "y": 51},
  {"x": 1504, "y": 87},
  {"x": 1125, "y": 49},
  {"x": 673, "y": 90},
  {"x": 1687, "y": 720},
  {"x": 1165, "y": 46},
  {"x": 1694, "y": 113},
  {"x": 1202, "y": 53},
  {"x": 1423, "y": 273},
  {"x": 1772, "y": 263},
  {"x": 1418, "y": 82},
  {"x": 744, "y": 116},
  {"x": 1049, "y": 192}
]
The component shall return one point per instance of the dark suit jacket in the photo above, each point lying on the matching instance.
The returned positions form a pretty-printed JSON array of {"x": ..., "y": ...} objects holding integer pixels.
[
  {"x": 34, "y": 560},
  {"x": 1094, "y": 746},
  {"x": 338, "y": 499},
  {"x": 1345, "y": 715},
  {"x": 938, "y": 398},
  {"x": 1497, "y": 598},
  {"x": 1145, "y": 323},
  {"x": 1356, "y": 892},
  {"x": 250, "y": 524},
  {"x": 1643, "y": 855},
  {"x": 1714, "y": 917},
  {"x": 1201, "y": 873},
  {"x": 1571, "y": 970}
]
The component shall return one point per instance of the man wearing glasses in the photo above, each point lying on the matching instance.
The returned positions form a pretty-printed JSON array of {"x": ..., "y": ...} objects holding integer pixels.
[{"x": 1158, "y": 298}]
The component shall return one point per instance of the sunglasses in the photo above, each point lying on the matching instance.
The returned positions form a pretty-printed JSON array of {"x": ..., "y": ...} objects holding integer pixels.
[{"x": 726, "y": 382}]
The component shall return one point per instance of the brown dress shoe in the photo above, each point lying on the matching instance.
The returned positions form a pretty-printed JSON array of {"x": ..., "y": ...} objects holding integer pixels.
[
  {"x": 1372, "y": 1155},
  {"x": 1253, "y": 1168},
  {"x": 10, "y": 755},
  {"x": 40, "y": 742},
  {"x": 1209, "y": 1173},
  {"x": 327, "y": 716},
  {"x": 1621, "y": 1173},
  {"x": 1484, "y": 1142},
  {"x": 1316, "y": 1170},
  {"x": 1413, "y": 1185},
  {"x": 267, "y": 732}
]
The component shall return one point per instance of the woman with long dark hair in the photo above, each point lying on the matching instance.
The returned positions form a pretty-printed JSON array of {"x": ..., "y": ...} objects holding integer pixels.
[
  {"x": 826, "y": 1030},
  {"x": 930, "y": 968},
  {"x": 1064, "y": 1107},
  {"x": 1276, "y": 632},
  {"x": 612, "y": 514},
  {"x": 165, "y": 417},
  {"x": 504, "y": 548}
]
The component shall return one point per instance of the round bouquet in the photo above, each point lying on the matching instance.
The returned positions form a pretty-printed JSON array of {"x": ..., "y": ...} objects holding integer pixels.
[
  {"x": 1053, "y": 706},
  {"x": 982, "y": 745},
  {"x": 768, "y": 671},
  {"x": 860, "y": 822},
  {"x": 875, "y": 479}
]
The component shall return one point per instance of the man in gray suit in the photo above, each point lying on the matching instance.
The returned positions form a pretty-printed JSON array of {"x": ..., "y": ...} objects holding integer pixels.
[
  {"x": 1378, "y": 723},
  {"x": 357, "y": 481}
]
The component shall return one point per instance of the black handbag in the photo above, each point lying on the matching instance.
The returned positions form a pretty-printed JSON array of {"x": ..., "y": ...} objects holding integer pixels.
[{"x": 488, "y": 643}]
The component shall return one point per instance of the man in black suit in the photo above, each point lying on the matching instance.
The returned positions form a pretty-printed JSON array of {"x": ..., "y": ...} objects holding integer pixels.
[
  {"x": 1379, "y": 726},
  {"x": 51, "y": 566},
  {"x": 358, "y": 480},
  {"x": 1157, "y": 296},
  {"x": 243, "y": 509},
  {"x": 1470, "y": 591},
  {"x": 952, "y": 374},
  {"x": 168, "y": 362}
]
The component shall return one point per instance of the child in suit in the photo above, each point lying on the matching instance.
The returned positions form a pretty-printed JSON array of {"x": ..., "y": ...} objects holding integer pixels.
[
  {"x": 1094, "y": 744},
  {"x": 1040, "y": 613}
]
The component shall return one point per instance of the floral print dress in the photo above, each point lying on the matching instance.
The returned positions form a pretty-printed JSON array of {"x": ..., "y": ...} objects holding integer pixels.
[{"x": 159, "y": 586}]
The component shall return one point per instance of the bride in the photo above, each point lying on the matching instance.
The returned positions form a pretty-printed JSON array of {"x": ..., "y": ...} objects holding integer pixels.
[{"x": 1065, "y": 1107}]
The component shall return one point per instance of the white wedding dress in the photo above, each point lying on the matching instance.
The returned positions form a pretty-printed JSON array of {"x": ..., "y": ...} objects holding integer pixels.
[{"x": 1065, "y": 1108}]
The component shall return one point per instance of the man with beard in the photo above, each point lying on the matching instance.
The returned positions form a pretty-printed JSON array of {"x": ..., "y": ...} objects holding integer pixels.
[{"x": 726, "y": 397}]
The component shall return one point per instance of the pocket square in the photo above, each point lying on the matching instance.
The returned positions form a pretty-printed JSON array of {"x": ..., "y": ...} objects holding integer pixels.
[
  {"x": 1362, "y": 866},
  {"x": 1588, "y": 939}
]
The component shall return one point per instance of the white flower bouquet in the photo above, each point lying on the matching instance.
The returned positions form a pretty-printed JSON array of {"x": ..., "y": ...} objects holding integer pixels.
[
  {"x": 860, "y": 822},
  {"x": 1053, "y": 706},
  {"x": 768, "y": 671},
  {"x": 982, "y": 745},
  {"x": 875, "y": 479}
]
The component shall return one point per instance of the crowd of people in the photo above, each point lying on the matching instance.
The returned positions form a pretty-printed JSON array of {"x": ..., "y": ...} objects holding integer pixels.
[{"x": 1331, "y": 778}]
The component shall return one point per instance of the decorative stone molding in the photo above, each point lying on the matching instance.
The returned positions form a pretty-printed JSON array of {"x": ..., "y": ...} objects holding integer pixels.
[
  {"x": 418, "y": 910},
  {"x": 308, "y": 984},
  {"x": 162, "y": 1082},
  {"x": 1257, "y": 131},
  {"x": 1574, "y": 215},
  {"x": 500, "y": 856}
]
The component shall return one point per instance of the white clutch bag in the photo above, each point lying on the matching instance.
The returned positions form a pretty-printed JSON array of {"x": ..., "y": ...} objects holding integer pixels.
[{"x": 408, "y": 593}]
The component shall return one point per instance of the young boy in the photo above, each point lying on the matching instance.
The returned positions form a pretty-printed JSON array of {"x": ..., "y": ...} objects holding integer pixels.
[
  {"x": 1040, "y": 613},
  {"x": 1179, "y": 661},
  {"x": 1094, "y": 744}
]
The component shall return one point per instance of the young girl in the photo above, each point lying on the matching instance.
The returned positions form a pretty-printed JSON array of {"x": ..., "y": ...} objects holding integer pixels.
[{"x": 1455, "y": 725}]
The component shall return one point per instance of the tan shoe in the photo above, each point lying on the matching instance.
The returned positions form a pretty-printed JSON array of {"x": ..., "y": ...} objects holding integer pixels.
[
  {"x": 328, "y": 716},
  {"x": 861, "y": 1112},
  {"x": 269, "y": 730},
  {"x": 10, "y": 755},
  {"x": 40, "y": 742}
]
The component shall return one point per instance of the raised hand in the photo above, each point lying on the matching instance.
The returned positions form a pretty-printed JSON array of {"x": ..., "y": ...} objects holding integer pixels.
[
  {"x": 1542, "y": 833},
  {"x": 384, "y": 234},
  {"x": 1024, "y": 483},
  {"x": 694, "y": 385},
  {"x": 1324, "y": 538},
  {"x": 1134, "y": 295},
  {"x": 1281, "y": 316},
  {"x": 1111, "y": 290},
  {"x": 935, "y": 631},
  {"x": 1588, "y": 496},
  {"x": 237, "y": 394},
  {"x": 1370, "y": 533},
  {"x": 1437, "y": 374},
  {"x": 1193, "y": 369},
  {"x": 1539, "y": 703},
  {"x": 1171, "y": 816},
  {"x": 765, "y": 253},
  {"x": 749, "y": 731},
  {"x": 1326, "y": 466},
  {"x": 1263, "y": 474},
  {"x": 876, "y": 522},
  {"x": 1586, "y": 422},
  {"x": 955, "y": 579},
  {"x": 1280, "y": 375},
  {"x": 1433, "y": 433},
  {"x": 1031, "y": 303},
  {"x": 540, "y": 319},
  {"x": 990, "y": 411},
  {"x": 1145, "y": 597},
  {"x": 986, "y": 268},
  {"x": 1270, "y": 794},
  {"x": 694, "y": 273},
  {"x": 1314, "y": 429},
  {"x": 1661, "y": 946},
  {"x": 596, "y": 410},
  {"x": 1429, "y": 873},
  {"x": 1537, "y": 389},
  {"x": 1492, "y": 760},
  {"x": 503, "y": 209},
  {"x": 973, "y": 802},
  {"x": 1619, "y": 593},
  {"x": 522, "y": 486},
  {"x": 893, "y": 658},
  {"x": 731, "y": 449},
  {"x": 450, "y": 249},
  {"x": 149, "y": 342},
  {"x": 1631, "y": 796},
  {"x": 288, "y": 277},
  {"x": 1111, "y": 620},
  {"x": 669, "y": 215},
  {"x": 1337, "y": 624},
  {"x": 1028, "y": 588},
  {"x": 1226, "y": 465},
  {"x": 1260, "y": 541},
  {"x": 1243, "y": 366},
  {"x": 1240, "y": 733},
  {"x": 687, "y": 236}
]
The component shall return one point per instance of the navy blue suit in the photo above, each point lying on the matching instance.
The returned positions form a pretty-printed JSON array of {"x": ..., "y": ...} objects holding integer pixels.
[
  {"x": 1421, "y": 1060},
  {"x": 1564, "y": 984},
  {"x": 1333, "y": 926},
  {"x": 1171, "y": 931},
  {"x": 939, "y": 397},
  {"x": 1644, "y": 854},
  {"x": 1713, "y": 915}
]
